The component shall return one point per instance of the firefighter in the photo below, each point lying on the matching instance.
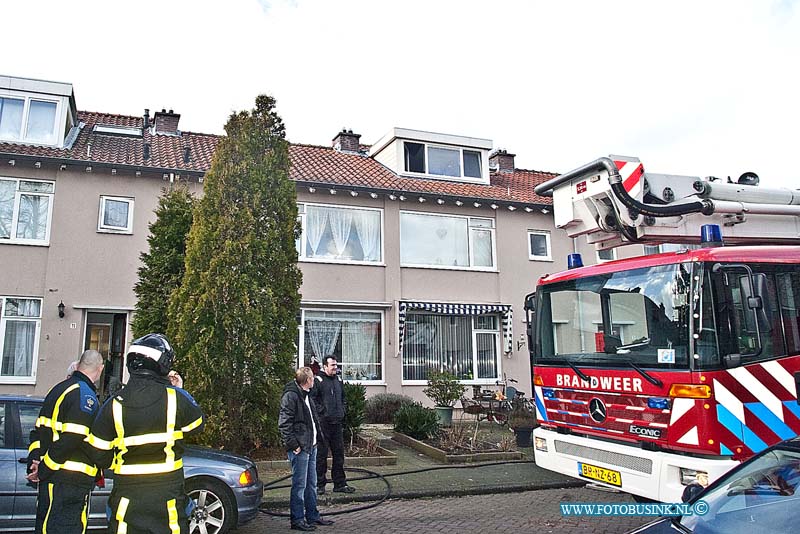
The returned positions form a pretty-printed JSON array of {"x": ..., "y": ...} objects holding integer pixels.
[
  {"x": 59, "y": 458},
  {"x": 139, "y": 433}
]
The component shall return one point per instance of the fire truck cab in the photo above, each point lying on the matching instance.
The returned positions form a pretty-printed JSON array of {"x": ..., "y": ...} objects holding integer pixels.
[{"x": 655, "y": 372}]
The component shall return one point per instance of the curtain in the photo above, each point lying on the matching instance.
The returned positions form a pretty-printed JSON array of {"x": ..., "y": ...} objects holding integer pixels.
[
  {"x": 16, "y": 307},
  {"x": 11, "y": 117},
  {"x": 358, "y": 347},
  {"x": 482, "y": 247},
  {"x": 368, "y": 228},
  {"x": 437, "y": 342},
  {"x": 316, "y": 219},
  {"x": 18, "y": 348},
  {"x": 116, "y": 214},
  {"x": 323, "y": 336},
  {"x": 7, "y": 191},
  {"x": 341, "y": 222},
  {"x": 32, "y": 219}
]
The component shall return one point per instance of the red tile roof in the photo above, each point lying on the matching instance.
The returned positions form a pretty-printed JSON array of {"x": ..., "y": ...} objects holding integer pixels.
[{"x": 310, "y": 164}]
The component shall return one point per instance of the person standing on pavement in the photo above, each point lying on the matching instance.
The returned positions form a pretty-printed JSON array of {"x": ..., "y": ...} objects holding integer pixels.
[
  {"x": 140, "y": 433},
  {"x": 328, "y": 394},
  {"x": 58, "y": 457},
  {"x": 300, "y": 430}
]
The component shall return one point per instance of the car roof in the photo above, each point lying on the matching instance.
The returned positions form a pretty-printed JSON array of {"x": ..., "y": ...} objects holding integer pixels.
[{"x": 20, "y": 398}]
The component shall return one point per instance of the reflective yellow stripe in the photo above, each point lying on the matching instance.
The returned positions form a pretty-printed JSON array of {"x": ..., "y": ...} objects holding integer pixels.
[
  {"x": 122, "y": 509},
  {"x": 83, "y": 512},
  {"x": 172, "y": 413},
  {"x": 99, "y": 443},
  {"x": 49, "y": 507},
  {"x": 33, "y": 446},
  {"x": 174, "y": 527},
  {"x": 116, "y": 412},
  {"x": 62, "y": 427},
  {"x": 69, "y": 465},
  {"x": 44, "y": 421},
  {"x": 56, "y": 409},
  {"x": 145, "y": 439},
  {"x": 191, "y": 426},
  {"x": 148, "y": 469}
]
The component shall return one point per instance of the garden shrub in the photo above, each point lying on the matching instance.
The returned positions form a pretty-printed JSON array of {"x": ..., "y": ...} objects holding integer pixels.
[
  {"x": 416, "y": 421},
  {"x": 355, "y": 395},
  {"x": 382, "y": 407}
]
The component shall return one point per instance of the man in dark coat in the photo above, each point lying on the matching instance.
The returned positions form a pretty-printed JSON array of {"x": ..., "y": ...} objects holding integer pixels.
[
  {"x": 300, "y": 431},
  {"x": 328, "y": 394}
]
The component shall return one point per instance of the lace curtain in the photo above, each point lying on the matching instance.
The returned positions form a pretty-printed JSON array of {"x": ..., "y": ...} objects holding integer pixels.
[
  {"x": 18, "y": 348},
  {"x": 359, "y": 342},
  {"x": 323, "y": 336}
]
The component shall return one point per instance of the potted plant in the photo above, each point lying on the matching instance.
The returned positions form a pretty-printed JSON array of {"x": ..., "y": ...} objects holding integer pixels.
[
  {"x": 444, "y": 390},
  {"x": 522, "y": 422}
]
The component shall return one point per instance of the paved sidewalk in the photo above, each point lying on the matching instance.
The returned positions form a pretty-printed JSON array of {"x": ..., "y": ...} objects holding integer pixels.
[{"x": 455, "y": 480}]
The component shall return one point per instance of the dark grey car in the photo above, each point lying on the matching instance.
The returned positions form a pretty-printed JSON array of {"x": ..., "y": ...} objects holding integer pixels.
[{"x": 225, "y": 486}]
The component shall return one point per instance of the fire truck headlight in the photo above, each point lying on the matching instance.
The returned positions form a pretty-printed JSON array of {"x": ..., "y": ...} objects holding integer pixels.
[
  {"x": 690, "y": 476},
  {"x": 540, "y": 444}
]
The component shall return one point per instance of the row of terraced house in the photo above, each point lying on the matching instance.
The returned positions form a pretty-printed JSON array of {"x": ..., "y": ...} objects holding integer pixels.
[{"x": 416, "y": 251}]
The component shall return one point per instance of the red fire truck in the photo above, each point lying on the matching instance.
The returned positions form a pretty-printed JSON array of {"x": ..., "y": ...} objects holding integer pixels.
[{"x": 658, "y": 371}]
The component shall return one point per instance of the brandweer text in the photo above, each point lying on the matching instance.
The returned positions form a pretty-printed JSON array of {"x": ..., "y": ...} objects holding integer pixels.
[{"x": 615, "y": 383}]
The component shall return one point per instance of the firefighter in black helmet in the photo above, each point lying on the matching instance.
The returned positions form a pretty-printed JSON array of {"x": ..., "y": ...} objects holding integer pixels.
[{"x": 139, "y": 433}]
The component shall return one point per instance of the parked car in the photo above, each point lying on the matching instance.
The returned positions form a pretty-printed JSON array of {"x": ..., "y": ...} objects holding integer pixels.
[
  {"x": 224, "y": 486},
  {"x": 760, "y": 495}
]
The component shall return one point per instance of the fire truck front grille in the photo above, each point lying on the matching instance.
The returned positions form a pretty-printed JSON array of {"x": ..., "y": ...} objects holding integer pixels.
[{"x": 635, "y": 463}]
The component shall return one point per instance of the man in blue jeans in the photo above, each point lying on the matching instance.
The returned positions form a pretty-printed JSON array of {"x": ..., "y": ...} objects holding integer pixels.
[{"x": 300, "y": 431}]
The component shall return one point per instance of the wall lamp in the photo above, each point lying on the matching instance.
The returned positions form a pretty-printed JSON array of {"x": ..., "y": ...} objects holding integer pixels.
[{"x": 61, "y": 309}]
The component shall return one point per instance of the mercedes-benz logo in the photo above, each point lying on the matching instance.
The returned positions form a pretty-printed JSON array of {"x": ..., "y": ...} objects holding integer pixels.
[{"x": 597, "y": 410}]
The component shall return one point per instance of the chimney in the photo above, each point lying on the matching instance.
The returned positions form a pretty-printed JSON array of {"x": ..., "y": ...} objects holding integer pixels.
[
  {"x": 146, "y": 123},
  {"x": 502, "y": 160},
  {"x": 346, "y": 141},
  {"x": 166, "y": 122}
]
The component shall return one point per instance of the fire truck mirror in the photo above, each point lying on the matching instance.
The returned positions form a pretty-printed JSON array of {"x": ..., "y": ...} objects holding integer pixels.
[{"x": 691, "y": 491}]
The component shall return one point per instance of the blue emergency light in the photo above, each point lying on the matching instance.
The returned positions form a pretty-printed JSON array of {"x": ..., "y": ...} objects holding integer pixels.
[
  {"x": 711, "y": 235},
  {"x": 574, "y": 261},
  {"x": 657, "y": 403}
]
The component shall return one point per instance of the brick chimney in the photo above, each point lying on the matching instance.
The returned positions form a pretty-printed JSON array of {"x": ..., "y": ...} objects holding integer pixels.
[
  {"x": 346, "y": 141},
  {"x": 166, "y": 122},
  {"x": 502, "y": 160}
]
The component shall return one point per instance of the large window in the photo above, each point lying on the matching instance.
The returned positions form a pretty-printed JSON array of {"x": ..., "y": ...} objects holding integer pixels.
[
  {"x": 28, "y": 119},
  {"x": 429, "y": 240},
  {"x": 20, "y": 323},
  {"x": 467, "y": 346},
  {"x": 340, "y": 234},
  {"x": 442, "y": 161},
  {"x": 116, "y": 215},
  {"x": 354, "y": 338},
  {"x": 25, "y": 210}
]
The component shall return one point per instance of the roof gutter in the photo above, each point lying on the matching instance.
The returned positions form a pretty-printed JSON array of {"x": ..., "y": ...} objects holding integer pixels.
[{"x": 94, "y": 163}]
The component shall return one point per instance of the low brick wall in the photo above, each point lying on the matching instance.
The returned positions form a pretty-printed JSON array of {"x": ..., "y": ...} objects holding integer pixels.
[
  {"x": 386, "y": 458},
  {"x": 441, "y": 456}
]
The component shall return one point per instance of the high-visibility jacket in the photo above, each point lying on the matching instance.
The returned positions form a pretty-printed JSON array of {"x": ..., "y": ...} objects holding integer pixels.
[
  {"x": 58, "y": 437},
  {"x": 141, "y": 429}
]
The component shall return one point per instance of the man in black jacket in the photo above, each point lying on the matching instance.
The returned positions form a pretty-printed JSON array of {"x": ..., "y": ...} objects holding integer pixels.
[
  {"x": 58, "y": 458},
  {"x": 300, "y": 430},
  {"x": 328, "y": 394},
  {"x": 140, "y": 433}
]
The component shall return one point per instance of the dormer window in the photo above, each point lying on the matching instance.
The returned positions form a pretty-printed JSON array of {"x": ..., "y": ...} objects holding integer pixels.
[
  {"x": 442, "y": 161},
  {"x": 28, "y": 119}
]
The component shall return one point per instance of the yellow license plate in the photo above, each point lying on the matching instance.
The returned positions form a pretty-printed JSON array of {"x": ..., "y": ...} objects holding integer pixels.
[{"x": 598, "y": 473}]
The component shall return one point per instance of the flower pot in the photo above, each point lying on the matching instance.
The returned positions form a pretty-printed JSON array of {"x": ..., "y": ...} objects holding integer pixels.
[
  {"x": 445, "y": 414},
  {"x": 524, "y": 436}
]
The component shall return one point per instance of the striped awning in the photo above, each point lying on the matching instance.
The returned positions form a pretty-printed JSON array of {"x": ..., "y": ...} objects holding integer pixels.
[{"x": 445, "y": 308}]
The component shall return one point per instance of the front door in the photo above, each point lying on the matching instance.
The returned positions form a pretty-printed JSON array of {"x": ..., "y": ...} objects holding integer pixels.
[{"x": 106, "y": 333}]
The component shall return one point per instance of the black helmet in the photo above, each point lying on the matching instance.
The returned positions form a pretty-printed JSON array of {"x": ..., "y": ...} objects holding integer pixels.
[{"x": 152, "y": 352}]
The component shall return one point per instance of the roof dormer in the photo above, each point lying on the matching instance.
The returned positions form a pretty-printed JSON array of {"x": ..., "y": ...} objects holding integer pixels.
[
  {"x": 434, "y": 156},
  {"x": 36, "y": 112}
]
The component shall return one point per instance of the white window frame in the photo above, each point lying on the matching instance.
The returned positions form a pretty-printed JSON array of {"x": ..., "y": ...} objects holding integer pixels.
[
  {"x": 475, "y": 381},
  {"x": 463, "y": 178},
  {"x": 28, "y": 380},
  {"x": 534, "y": 257},
  {"x": 613, "y": 256},
  {"x": 58, "y": 135},
  {"x": 301, "y": 349},
  {"x": 471, "y": 267},
  {"x": 301, "y": 216},
  {"x": 106, "y": 229},
  {"x": 12, "y": 239}
]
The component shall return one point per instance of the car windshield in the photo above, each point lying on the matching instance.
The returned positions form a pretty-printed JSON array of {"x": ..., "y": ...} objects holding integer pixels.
[
  {"x": 638, "y": 316},
  {"x": 763, "y": 495}
]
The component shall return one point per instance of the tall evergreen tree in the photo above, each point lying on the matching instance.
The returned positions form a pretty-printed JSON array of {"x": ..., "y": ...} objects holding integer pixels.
[
  {"x": 235, "y": 314},
  {"x": 162, "y": 266}
]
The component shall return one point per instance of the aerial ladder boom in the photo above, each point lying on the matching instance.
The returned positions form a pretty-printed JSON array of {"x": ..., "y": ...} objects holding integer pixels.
[{"x": 614, "y": 202}]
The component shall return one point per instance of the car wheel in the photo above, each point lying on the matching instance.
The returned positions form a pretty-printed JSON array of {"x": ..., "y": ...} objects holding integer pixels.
[{"x": 215, "y": 507}]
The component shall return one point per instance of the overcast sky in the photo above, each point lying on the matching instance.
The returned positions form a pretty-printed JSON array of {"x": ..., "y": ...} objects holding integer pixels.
[{"x": 689, "y": 87}]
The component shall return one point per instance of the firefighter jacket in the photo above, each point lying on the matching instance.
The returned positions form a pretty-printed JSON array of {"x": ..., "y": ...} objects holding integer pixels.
[
  {"x": 328, "y": 394},
  {"x": 59, "y": 434},
  {"x": 295, "y": 422},
  {"x": 141, "y": 429}
]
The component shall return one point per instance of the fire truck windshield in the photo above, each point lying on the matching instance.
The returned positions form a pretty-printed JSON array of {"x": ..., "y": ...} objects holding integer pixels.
[{"x": 638, "y": 316}]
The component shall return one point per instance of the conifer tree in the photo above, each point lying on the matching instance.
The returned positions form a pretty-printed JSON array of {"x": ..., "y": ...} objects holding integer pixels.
[
  {"x": 235, "y": 313},
  {"x": 162, "y": 268}
]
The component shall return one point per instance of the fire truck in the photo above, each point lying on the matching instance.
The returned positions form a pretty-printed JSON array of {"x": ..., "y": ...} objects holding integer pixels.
[{"x": 654, "y": 372}]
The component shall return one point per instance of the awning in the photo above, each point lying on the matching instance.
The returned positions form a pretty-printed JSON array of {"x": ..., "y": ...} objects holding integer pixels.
[{"x": 457, "y": 309}]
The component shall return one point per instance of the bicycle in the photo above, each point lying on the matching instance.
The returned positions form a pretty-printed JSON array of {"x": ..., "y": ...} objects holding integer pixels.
[{"x": 496, "y": 405}]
